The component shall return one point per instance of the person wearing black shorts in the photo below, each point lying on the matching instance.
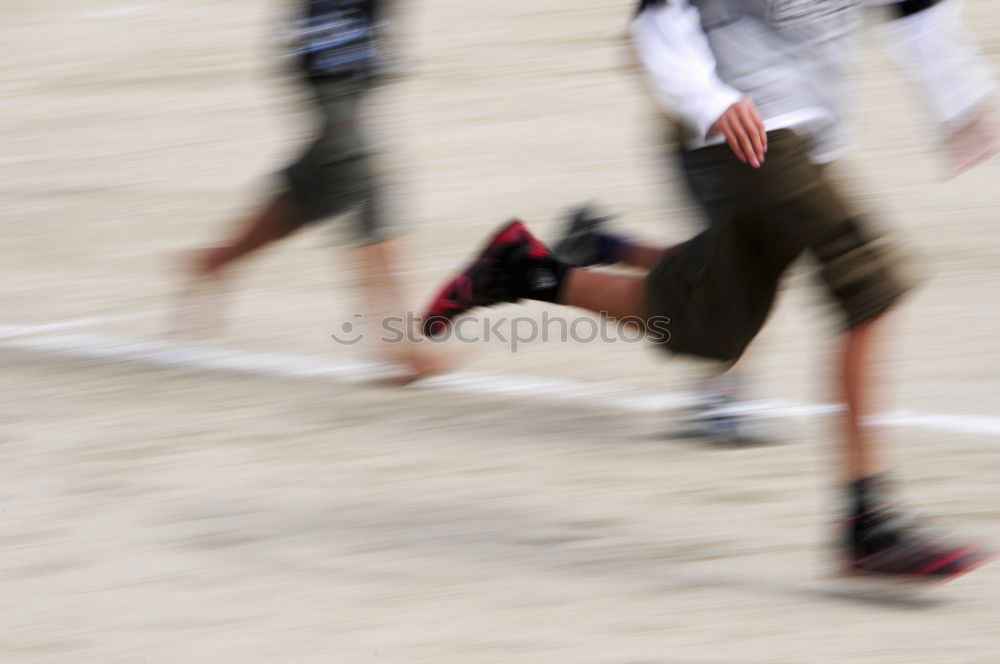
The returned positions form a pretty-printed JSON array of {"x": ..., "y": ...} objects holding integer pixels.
[
  {"x": 779, "y": 62},
  {"x": 710, "y": 296}
]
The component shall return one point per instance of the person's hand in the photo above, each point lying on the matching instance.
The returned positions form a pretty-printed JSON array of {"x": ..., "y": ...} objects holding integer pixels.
[
  {"x": 973, "y": 141},
  {"x": 744, "y": 132}
]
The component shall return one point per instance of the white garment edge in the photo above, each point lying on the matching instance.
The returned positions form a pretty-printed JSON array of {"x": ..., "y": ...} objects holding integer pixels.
[
  {"x": 932, "y": 47},
  {"x": 935, "y": 51}
]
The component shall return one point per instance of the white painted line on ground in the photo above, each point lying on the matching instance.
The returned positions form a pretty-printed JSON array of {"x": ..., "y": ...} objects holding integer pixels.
[
  {"x": 143, "y": 12},
  {"x": 176, "y": 355},
  {"x": 184, "y": 356},
  {"x": 62, "y": 326}
]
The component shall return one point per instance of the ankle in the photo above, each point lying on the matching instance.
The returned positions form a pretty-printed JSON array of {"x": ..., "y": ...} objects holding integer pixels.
[
  {"x": 612, "y": 248},
  {"x": 866, "y": 493}
]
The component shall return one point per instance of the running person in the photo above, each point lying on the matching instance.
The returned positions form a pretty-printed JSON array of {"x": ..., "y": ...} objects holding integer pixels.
[
  {"x": 927, "y": 38},
  {"x": 336, "y": 48},
  {"x": 718, "y": 288}
]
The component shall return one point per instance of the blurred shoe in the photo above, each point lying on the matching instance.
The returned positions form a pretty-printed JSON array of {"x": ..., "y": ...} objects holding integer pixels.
[
  {"x": 495, "y": 276},
  {"x": 719, "y": 415},
  {"x": 884, "y": 544},
  {"x": 585, "y": 240},
  {"x": 720, "y": 420}
]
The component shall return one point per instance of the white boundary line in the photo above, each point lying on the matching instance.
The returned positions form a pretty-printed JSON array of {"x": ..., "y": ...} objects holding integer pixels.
[
  {"x": 143, "y": 12},
  {"x": 61, "y": 326},
  {"x": 610, "y": 395}
]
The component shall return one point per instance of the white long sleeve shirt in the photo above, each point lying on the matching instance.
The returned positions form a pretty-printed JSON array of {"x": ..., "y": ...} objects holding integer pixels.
[{"x": 674, "y": 43}]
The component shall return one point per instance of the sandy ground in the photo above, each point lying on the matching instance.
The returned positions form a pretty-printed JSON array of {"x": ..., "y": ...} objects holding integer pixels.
[{"x": 183, "y": 514}]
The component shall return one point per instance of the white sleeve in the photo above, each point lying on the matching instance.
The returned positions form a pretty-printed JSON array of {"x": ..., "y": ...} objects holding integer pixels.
[
  {"x": 679, "y": 65},
  {"x": 939, "y": 54}
]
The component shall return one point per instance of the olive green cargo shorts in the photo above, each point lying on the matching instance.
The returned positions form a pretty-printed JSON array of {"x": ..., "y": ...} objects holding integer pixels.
[{"x": 718, "y": 288}]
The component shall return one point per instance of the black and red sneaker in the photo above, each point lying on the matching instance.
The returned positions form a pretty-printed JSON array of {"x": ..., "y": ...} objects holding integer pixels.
[
  {"x": 496, "y": 275},
  {"x": 881, "y": 543},
  {"x": 586, "y": 240}
]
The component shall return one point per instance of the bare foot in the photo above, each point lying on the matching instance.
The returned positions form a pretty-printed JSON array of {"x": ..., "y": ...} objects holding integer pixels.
[
  {"x": 417, "y": 362},
  {"x": 200, "y": 304}
]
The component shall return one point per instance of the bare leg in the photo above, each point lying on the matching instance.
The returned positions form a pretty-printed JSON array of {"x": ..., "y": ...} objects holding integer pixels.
[
  {"x": 616, "y": 295},
  {"x": 641, "y": 255},
  {"x": 859, "y": 460},
  {"x": 378, "y": 261},
  {"x": 274, "y": 221},
  {"x": 377, "y": 278},
  {"x": 201, "y": 303}
]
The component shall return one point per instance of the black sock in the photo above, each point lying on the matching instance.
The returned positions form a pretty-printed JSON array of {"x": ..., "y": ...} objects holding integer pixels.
[
  {"x": 873, "y": 526},
  {"x": 865, "y": 494},
  {"x": 540, "y": 277}
]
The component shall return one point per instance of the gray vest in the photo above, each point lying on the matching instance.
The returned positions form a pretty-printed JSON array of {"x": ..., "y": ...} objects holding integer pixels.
[{"x": 786, "y": 55}]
